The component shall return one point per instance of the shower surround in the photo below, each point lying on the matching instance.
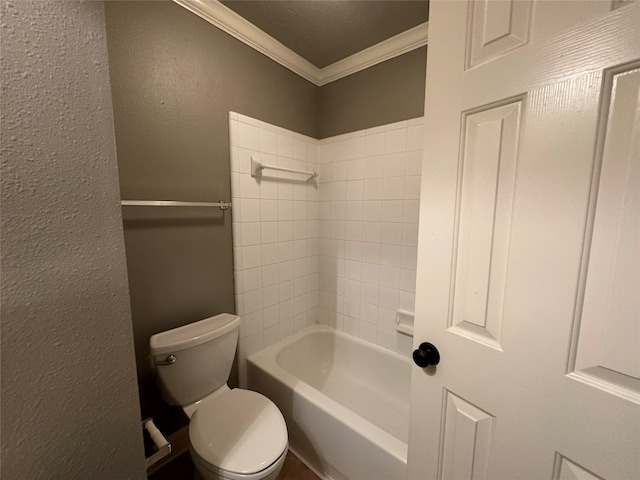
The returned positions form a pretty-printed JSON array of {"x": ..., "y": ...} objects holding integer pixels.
[{"x": 340, "y": 249}]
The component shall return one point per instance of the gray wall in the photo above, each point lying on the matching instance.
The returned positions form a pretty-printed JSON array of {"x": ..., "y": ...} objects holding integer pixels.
[
  {"x": 388, "y": 92},
  {"x": 69, "y": 396},
  {"x": 175, "y": 77}
]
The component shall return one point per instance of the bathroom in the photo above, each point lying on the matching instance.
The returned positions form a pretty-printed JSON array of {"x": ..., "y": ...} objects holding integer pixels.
[{"x": 174, "y": 79}]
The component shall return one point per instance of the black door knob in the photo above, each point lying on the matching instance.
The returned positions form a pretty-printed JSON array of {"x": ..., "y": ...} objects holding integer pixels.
[{"x": 426, "y": 354}]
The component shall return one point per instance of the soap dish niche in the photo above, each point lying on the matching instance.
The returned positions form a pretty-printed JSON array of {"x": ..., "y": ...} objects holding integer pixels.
[{"x": 404, "y": 322}]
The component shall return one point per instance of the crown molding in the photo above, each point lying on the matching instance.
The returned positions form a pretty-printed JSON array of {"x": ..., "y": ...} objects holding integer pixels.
[{"x": 230, "y": 22}]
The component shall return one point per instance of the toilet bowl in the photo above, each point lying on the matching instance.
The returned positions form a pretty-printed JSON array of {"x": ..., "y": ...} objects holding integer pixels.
[{"x": 234, "y": 434}]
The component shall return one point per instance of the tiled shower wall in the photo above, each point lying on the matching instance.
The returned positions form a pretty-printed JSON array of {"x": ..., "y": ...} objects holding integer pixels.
[
  {"x": 339, "y": 251},
  {"x": 275, "y": 234},
  {"x": 368, "y": 211}
]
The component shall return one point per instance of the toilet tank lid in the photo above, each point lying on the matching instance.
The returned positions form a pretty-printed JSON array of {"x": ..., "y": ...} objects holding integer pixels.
[{"x": 192, "y": 334}]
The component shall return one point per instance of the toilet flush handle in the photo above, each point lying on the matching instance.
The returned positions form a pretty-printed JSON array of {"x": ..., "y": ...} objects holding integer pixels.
[{"x": 170, "y": 360}]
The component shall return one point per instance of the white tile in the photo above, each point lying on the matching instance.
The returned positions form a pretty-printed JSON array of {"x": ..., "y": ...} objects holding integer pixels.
[
  {"x": 374, "y": 167},
  {"x": 392, "y": 211},
  {"x": 254, "y": 343},
  {"x": 411, "y": 211},
  {"x": 355, "y": 190},
  {"x": 285, "y": 190},
  {"x": 353, "y": 250},
  {"x": 285, "y": 290},
  {"x": 269, "y": 189},
  {"x": 410, "y": 234},
  {"x": 233, "y": 133},
  {"x": 353, "y": 231},
  {"x": 404, "y": 344},
  {"x": 252, "y": 301},
  {"x": 250, "y": 233},
  {"x": 368, "y": 332},
  {"x": 352, "y": 326},
  {"x": 409, "y": 257},
  {"x": 395, "y": 126},
  {"x": 324, "y": 153},
  {"x": 250, "y": 209},
  {"x": 235, "y": 184},
  {"x": 271, "y": 335},
  {"x": 407, "y": 301},
  {"x": 299, "y": 210},
  {"x": 355, "y": 169},
  {"x": 285, "y": 251},
  {"x": 395, "y": 141},
  {"x": 299, "y": 229},
  {"x": 393, "y": 188},
  {"x": 415, "y": 121},
  {"x": 243, "y": 160},
  {"x": 338, "y": 190},
  {"x": 387, "y": 339},
  {"x": 299, "y": 268},
  {"x": 373, "y": 189},
  {"x": 370, "y": 293},
  {"x": 354, "y": 210},
  {"x": 249, "y": 186},
  {"x": 413, "y": 163},
  {"x": 353, "y": 269},
  {"x": 352, "y": 289},
  {"x": 372, "y": 211},
  {"x": 300, "y": 321},
  {"x": 269, "y": 253},
  {"x": 299, "y": 249},
  {"x": 270, "y": 295},
  {"x": 269, "y": 210},
  {"x": 387, "y": 318},
  {"x": 369, "y": 313},
  {"x": 285, "y": 210},
  {"x": 284, "y": 145},
  {"x": 389, "y": 277},
  {"x": 269, "y": 232},
  {"x": 412, "y": 187},
  {"x": 238, "y": 264},
  {"x": 286, "y": 328},
  {"x": 299, "y": 150},
  {"x": 408, "y": 280},
  {"x": 270, "y": 275},
  {"x": 389, "y": 297},
  {"x": 252, "y": 278},
  {"x": 251, "y": 256},
  {"x": 339, "y": 151},
  {"x": 391, "y": 233},
  {"x": 268, "y": 141},
  {"x": 394, "y": 164},
  {"x": 248, "y": 136},
  {"x": 374, "y": 145},
  {"x": 390, "y": 255},
  {"x": 339, "y": 171},
  {"x": 355, "y": 147},
  {"x": 352, "y": 307},
  {"x": 415, "y": 137},
  {"x": 370, "y": 272},
  {"x": 252, "y": 322},
  {"x": 338, "y": 210},
  {"x": 371, "y": 251}
]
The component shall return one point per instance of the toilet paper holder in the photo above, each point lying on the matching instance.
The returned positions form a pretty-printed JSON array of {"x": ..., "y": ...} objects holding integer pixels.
[{"x": 162, "y": 444}]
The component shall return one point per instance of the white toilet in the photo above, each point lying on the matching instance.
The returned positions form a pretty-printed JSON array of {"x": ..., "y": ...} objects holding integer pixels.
[{"x": 234, "y": 434}]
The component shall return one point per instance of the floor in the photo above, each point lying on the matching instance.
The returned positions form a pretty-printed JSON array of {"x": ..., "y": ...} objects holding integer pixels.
[{"x": 181, "y": 468}]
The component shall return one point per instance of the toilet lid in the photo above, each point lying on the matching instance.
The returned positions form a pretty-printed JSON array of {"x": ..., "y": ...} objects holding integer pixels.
[{"x": 240, "y": 431}]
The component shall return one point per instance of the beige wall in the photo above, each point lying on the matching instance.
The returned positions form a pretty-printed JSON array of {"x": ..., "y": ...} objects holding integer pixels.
[
  {"x": 69, "y": 396},
  {"x": 385, "y": 93}
]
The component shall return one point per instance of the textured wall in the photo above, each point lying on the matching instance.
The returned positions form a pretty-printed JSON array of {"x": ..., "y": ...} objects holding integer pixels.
[
  {"x": 388, "y": 92},
  {"x": 69, "y": 397}
]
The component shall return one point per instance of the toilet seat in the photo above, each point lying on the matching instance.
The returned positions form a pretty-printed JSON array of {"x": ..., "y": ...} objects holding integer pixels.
[{"x": 238, "y": 434}]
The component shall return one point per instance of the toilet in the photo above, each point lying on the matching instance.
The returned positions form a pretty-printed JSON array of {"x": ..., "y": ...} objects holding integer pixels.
[{"x": 234, "y": 434}]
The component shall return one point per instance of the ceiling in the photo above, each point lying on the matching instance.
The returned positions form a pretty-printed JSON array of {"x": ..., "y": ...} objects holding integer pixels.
[{"x": 325, "y": 31}]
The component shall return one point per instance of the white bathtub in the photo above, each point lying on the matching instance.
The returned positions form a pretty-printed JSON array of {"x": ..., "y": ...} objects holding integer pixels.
[{"x": 346, "y": 402}]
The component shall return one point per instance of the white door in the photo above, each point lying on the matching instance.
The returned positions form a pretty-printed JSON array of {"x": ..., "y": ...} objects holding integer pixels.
[{"x": 528, "y": 264}]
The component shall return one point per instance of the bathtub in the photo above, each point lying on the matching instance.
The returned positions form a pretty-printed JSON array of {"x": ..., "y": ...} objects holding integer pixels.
[{"x": 345, "y": 401}]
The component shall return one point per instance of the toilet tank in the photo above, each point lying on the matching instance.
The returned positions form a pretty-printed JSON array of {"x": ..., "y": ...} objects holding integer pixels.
[{"x": 202, "y": 354}]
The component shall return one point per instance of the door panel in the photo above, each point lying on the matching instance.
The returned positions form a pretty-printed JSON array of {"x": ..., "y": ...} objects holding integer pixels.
[{"x": 528, "y": 263}]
